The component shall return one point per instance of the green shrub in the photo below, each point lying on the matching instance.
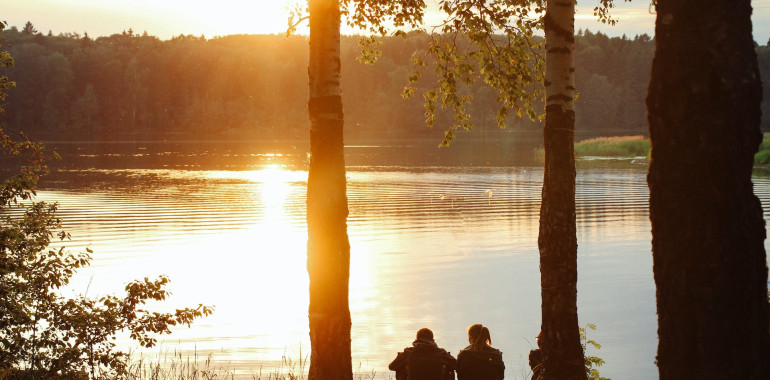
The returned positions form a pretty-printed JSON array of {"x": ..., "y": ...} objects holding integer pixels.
[
  {"x": 592, "y": 363},
  {"x": 762, "y": 157},
  {"x": 765, "y": 145},
  {"x": 45, "y": 335},
  {"x": 42, "y": 334}
]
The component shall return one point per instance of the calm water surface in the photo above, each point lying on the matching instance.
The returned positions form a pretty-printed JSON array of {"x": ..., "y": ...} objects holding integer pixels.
[{"x": 431, "y": 245}]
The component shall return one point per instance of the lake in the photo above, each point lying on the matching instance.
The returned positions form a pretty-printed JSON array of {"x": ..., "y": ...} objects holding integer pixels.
[{"x": 439, "y": 238}]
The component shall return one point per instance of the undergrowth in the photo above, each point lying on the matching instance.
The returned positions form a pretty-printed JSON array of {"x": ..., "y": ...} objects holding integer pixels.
[{"x": 762, "y": 158}]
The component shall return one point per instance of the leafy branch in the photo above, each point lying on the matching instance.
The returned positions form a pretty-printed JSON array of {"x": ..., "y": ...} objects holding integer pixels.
[{"x": 42, "y": 334}]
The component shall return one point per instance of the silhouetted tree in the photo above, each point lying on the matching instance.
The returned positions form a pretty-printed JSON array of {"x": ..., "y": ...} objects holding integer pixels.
[
  {"x": 29, "y": 28},
  {"x": 707, "y": 225}
]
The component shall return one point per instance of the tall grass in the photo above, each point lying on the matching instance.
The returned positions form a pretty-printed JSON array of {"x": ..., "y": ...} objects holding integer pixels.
[
  {"x": 624, "y": 146},
  {"x": 176, "y": 366}
]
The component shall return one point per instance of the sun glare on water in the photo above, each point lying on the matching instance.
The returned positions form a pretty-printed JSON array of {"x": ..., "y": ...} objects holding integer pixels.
[
  {"x": 262, "y": 297},
  {"x": 249, "y": 262}
]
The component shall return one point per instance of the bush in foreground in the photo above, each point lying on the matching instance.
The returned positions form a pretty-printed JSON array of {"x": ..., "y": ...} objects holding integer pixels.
[{"x": 42, "y": 334}]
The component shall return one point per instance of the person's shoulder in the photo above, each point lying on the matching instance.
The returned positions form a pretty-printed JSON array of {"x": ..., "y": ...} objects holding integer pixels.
[
  {"x": 445, "y": 352},
  {"x": 449, "y": 360},
  {"x": 488, "y": 352},
  {"x": 403, "y": 354}
]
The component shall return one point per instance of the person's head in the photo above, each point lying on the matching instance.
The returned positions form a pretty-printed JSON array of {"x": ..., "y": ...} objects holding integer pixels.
[
  {"x": 425, "y": 334},
  {"x": 478, "y": 337}
]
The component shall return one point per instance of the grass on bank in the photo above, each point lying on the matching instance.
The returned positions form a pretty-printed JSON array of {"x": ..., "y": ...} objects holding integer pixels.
[
  {"x": 638, "y": 146},
  {"x": 623, "y": 146}
]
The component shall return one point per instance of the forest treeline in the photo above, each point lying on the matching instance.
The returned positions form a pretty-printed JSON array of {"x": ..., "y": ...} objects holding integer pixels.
[{"x": 129, "y": 86}]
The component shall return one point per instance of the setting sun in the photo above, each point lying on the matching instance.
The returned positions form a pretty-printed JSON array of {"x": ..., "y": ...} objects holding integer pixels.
[{"x": 233, "y": 16}]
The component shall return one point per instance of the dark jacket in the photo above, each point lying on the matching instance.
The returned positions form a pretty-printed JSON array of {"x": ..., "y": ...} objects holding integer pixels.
[
  {"x": 536, "y": 363},
  {"x": 424, "y": 361},
  {"x": 480, "y": 365}
]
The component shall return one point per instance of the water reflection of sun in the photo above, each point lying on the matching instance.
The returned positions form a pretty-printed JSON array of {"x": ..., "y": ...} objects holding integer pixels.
[
  {"x": 268, "y": 277},
  {"x": 265, "y": 295}
]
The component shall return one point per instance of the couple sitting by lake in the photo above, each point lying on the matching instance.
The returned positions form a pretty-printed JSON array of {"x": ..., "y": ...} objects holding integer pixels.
[{"x": 425, "y": 360}]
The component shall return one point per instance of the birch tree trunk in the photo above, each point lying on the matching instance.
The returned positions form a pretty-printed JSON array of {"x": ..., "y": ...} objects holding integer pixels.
[
  {"x": 562, "y": 352},
  {"x": 707, "y": 225},
  {"x": 328, "y": 249}
]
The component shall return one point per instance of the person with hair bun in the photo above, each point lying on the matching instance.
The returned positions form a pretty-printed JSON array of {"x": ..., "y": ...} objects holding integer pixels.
[{"x": 480, "y": 361}]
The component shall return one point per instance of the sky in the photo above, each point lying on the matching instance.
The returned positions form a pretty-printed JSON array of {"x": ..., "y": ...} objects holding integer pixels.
[{"x": 168, "y": 18}]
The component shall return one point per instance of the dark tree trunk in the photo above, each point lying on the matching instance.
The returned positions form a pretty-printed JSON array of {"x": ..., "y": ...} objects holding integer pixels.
[
  {"x": 328, "y": 249},
  {"x": 707, "y": 225},
  {"x": 562, "y": 352}
]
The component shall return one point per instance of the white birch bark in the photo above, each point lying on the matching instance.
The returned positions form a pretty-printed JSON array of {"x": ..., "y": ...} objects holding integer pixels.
[{"x": 559, "y": 48}]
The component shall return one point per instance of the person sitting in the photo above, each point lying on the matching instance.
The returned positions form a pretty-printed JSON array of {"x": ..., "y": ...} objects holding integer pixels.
[
  {"x": 536, "y": 359},
  {"x": 480, "y": 361},
  {"x": 425, "y": 360}
]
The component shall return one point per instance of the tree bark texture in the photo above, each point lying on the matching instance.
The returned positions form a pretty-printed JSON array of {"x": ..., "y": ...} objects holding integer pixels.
[
  {"x": 562, "y": 352},
  {"x": 708, "y": 230},
  {"x": 328, "y": 248}
]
